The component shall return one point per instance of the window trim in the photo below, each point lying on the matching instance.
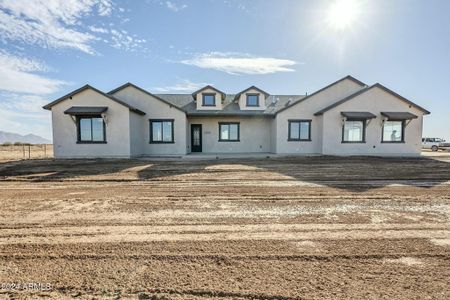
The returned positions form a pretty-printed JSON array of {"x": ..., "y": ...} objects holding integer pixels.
[
  {"x": 238, "y": 131},
  {"x": 252, "y": 94},
  {"x": 299, "y": 139},
  {"x": 402, "y": 141},
  {"x": 208, "y": 94},
  {"x": 363, "y": 141},
  {"x": 79, "y": 141},
  {"x": 151, "y": 121}
]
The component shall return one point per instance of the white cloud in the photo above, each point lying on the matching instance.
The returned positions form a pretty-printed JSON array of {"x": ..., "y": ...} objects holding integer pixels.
[
  {"x": 184, "y": 86},
  {"x": 26, "y": 122},
  {"x": 23, "y": 114},
  {"x": 18, "y": 74},
  {"x": 50, "y": 23},
  {"x": 98, "y": 29},
  {"x": 58, "y": 24},
  {"x": 239, "y": 63},
  {"x": 174, "y": 7},
  {"x": 125, "y": 41},
  {"x": 105, "y": 7},
  {"x": 23, "y": 103}
]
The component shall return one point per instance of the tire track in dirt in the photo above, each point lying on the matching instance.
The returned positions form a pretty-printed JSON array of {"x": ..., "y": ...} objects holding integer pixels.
[
  {"x": 294, "y": 228},
  {"x": 181, "y": 257}
]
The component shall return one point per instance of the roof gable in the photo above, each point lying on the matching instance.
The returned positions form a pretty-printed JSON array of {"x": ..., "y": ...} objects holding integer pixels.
[
  {"x": 252, "y": 88},
  {"x": 194, "y": 94},
  {"x": 129, "y": 84},
  {"x": 348, "y": 77},
  {"x": 85, "y": 87},
  {"x": 377, "y": 85}
]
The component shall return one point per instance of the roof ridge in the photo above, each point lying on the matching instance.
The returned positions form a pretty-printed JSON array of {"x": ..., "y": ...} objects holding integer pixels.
[
  {"x": 367, "y": 88},
  {"x": 362, "y": 84},
  {"x": 87, "y": 86},
  {"x": 143, "y": 91}
]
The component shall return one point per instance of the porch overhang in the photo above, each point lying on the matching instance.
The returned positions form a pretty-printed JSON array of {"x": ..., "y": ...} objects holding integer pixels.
[
  {"x": 357, "y": 115},
  {"x": 86, "y": 110},
  {"x": 398, "y": 116}
]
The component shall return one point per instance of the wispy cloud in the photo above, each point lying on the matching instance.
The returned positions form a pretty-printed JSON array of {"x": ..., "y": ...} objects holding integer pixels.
[
  {"x": 23, "y": 103},
  {"x": 184, "y": 86},
  {"x": 22, "y": 90},
  {"x": 123, "y": 40},
  {"x": 51, "y": 24},
  {"x": 240, "y": 63},
  {"x": 60, "y": 24},
  {"x": 98, "y": 29},
  {"x": 24, "y": 122},
  {"x": 174, "y": 7},
  {"x": 21, "y": 75},
  {"x": 23, "y": 114}
]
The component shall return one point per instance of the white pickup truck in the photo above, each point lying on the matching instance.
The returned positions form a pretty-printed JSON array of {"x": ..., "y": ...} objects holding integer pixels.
[{"x": 435, "y": 144}]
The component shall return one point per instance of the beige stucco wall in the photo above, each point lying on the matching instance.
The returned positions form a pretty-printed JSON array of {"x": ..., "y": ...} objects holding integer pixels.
[
  {"x": 136, "y": 134},
  {"x": 254, "y": 135},
  {"x": 65, "y": 130},
  {"x": 305, "y": 110},
  {"x": 375, "y": 101},
  {"x": 199, "y": 100},
  {"x": 128, "y": 133},
  {"x": 156, "y": 109},
  {"x": 273, "y": 135},
  {"x": 243, "y": 100}
]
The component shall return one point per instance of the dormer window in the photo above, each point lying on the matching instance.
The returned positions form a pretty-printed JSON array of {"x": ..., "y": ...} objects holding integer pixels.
[
  {"x": 252, "y": 99},
  {"x": 209, "y": 100}
]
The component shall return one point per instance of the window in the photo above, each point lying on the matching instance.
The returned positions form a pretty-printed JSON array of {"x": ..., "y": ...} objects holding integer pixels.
[
  {"x": 252, "y": 99},
  {"x": 91, "y": 129},
  {"x": 354, "y": 131},
  {"x": 228, "y": 132},
  {"x": 299, "y": 130},
  {"x": 393, "y": 132},
  {"x": 161, "y": 131},
  {"x": 209, "y": 100}
]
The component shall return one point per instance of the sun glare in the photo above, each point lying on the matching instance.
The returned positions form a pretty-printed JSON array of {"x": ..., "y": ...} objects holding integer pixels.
[{"x": 342, "y": 14}]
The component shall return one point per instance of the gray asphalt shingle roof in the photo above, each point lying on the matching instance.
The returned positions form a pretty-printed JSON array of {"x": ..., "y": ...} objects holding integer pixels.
[{"x": 187, "y": 103}]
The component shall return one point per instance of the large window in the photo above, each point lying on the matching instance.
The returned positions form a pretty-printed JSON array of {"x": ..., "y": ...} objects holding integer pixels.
[
  {"x": 91, "y": 129},
  {"x": 209, "y": 100},
  {"x": 228, "y": 132},
  {"x": 353, "y": 131},
  {"x": 299, "y": 130},
  {"x": 161, "y": 131},
  {"x": 252, "y": 100},
  {"x": 393, "y": 132}
]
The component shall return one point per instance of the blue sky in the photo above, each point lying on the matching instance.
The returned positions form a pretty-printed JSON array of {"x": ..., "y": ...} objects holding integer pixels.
[{"x": 49, "y": 48}]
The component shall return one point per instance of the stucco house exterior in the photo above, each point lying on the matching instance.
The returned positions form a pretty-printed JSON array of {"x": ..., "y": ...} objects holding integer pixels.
[{"x": 346, "y": 117}]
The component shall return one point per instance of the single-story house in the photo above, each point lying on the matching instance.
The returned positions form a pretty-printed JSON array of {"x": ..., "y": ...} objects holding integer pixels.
[{"x": 346, "y": 117}]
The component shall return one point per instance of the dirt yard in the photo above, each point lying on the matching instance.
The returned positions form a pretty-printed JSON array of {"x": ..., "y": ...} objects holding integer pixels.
[
  {"x": 16, "y": 152},
  {"x": 278, "y": 228}
]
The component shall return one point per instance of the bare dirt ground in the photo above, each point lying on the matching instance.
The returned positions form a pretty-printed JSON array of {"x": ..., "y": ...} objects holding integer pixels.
[{"x": 279, "y": 228}]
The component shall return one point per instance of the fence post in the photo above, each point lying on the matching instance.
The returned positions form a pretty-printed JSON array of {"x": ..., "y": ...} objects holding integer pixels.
[
  {"x": 45, "y": 150},
  {"x": 23, "y": 151},
  {"x": 29, "y": 151}
]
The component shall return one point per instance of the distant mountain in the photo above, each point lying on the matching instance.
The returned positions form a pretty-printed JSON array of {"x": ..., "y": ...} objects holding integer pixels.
[{"x": 29, "y": 138}]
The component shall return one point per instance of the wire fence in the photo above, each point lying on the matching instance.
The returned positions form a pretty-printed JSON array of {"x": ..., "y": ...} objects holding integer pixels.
[{"x": 24, "y": 151}]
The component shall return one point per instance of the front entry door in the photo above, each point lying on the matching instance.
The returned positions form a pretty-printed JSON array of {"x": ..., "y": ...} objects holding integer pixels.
[{"x": 196, "y": 137}]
